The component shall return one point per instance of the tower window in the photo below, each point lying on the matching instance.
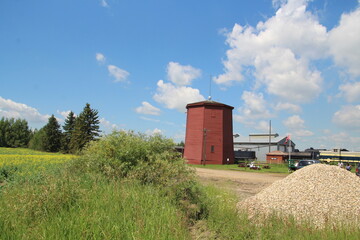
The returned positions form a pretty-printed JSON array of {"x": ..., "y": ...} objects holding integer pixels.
[{"x": 212, "y": 148}]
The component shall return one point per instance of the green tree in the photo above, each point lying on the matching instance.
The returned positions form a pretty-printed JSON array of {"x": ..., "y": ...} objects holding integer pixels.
[
  {"x": 86, "y": 128},
  {"x": 21, "y": 133},
  {"x": 38, "y": 140},
  {"x": 4, "y": 128},
  {"x": 53, "y": 135},
  {"x": 14, "y": 133},
  {"x": 68, "y": 128},
  {"x": 9, "y": 133}
]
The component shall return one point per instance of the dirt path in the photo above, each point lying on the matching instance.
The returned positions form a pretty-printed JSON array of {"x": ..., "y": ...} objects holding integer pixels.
[{"x": 245, "y": 184}]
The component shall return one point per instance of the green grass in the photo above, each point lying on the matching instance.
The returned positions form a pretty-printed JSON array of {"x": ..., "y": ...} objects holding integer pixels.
[
  {"x": 68, "y": 202},
  {"x": 24, "y": 151},
  {"x": 88, "y": 207},
  {"x": 274, "y": 168},
  {"x": 22, "y": 164}
]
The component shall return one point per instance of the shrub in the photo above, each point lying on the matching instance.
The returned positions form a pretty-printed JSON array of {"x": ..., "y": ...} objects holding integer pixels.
[
  {"x": 115, "y": 155},
  {"x": 149, "y": 160}
]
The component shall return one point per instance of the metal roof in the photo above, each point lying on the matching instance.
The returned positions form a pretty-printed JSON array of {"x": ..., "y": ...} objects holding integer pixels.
[{"x": 208, "y": 103}]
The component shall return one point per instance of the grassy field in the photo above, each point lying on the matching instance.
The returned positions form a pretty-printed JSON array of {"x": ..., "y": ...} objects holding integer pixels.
[
  {"x": 26, "y": 163},
  {"x": 69, "y": 199},
  {"x": 274, "y": 168},
  {"x": 43, "y": 196}
]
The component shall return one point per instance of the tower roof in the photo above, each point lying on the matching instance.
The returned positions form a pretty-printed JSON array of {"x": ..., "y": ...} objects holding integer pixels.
[{"x": 208, "y": 103}]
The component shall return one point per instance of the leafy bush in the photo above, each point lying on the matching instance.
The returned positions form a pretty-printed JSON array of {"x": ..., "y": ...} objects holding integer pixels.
[
  {"x": 115, "y": 155},
  {"x": 148, "y": 159}
]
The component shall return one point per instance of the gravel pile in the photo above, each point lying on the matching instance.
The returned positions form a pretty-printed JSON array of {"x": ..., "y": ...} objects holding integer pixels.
[{"x": 319, "y": 193}]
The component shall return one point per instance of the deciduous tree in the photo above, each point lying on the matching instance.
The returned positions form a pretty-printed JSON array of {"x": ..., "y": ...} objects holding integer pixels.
[{"x": 14, "y": 133}]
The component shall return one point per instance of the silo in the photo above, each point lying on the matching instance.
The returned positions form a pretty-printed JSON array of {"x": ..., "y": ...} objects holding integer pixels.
[{"x": 209, "y": 133}]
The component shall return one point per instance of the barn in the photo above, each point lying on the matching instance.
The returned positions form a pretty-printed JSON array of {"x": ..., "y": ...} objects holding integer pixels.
[{"x": 209, "y": 133}]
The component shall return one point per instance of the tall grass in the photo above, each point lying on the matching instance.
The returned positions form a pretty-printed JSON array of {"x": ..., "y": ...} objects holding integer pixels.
[
  {"x": 131, "y": 186},
  {"x": 88, "y": 207},
  {"x": 125, "y": 186}
]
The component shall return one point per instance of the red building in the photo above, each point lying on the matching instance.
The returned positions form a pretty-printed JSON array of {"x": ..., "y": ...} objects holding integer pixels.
[
  {"x": 277, "y": 157},
  {"x": 209, "y": 133}
]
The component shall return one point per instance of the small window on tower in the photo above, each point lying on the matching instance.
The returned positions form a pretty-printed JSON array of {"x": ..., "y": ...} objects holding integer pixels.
[{"x": 212, "y": 148}]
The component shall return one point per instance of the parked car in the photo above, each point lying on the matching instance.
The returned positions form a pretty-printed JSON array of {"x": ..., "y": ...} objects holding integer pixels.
[
  {"x": 306, "y": 162},
  {"x": 358, "y": 170}
]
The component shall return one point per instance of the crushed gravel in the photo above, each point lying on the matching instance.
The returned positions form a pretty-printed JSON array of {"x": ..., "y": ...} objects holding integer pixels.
[{"x": 318, "y": 193}]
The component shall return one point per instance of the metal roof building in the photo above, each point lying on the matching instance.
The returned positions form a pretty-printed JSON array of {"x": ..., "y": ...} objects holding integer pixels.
[{"x": 261, "y": 148}]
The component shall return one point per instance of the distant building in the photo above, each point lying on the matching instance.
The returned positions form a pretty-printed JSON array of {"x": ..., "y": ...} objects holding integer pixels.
[
  {"x": 276, "y": 157},
  {"x": 209, "y": 133},
  {"x": 261, "y": 148},
  {"x": 244, "y": 156}
]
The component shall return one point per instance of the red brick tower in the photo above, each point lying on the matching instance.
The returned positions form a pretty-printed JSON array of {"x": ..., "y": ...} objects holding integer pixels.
[{"x": 209, "y": 133}]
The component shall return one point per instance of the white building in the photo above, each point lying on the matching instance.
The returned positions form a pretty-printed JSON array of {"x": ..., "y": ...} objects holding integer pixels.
[{"x": 262, "y": 146}]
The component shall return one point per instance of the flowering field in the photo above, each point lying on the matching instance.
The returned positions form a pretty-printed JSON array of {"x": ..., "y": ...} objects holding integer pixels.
[{"x": 25, "y": 162}]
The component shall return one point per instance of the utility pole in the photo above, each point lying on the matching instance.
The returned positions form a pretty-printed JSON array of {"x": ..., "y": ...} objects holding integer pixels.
[
  {"x": 270, "y": 136},
  {"x": 204, "y": 146}
]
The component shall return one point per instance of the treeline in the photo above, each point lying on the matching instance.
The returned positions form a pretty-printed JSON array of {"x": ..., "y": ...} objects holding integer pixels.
[
  {"x": 76, "y": 132},
  {"x": 14, "y": 133}
]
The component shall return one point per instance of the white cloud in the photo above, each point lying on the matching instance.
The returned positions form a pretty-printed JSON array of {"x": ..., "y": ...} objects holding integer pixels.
[
  {"x": 344, "y": 41},
  {"x": 119, "y": 74},
  {"x": 149, "y": 119},
  {"x": 262, "y": 126},
  {"x": 64, "y": 114},
  {"x": 176, "y": 97},
  {"x": 11, "y": 109},
  {"x": 351, "y": 91},
  {"x": 255, "y": 106},
  {"x": 303, "y": 133},
  {"x": 104, "y": 3},
  {"x": 233, "y": 69},
  {"x": 155, "y": 131},
  {"x": 340, "y": 140},
  {"x": 148, "y": 109},
  {"x": 297, "y": 125},
  {"x": 294, "y": 122},
  {"x": 182, "y": 75},
  {"x": 348, "y": 117},
  {"x": 106, "y": 126},
  {"x": 288, "y": 107},
  {"x": 278, "y": 3},
  {"x": 279, "y": 49},
  {"x": 287, "y": 77},
  {"x": 100, "y": 58}
]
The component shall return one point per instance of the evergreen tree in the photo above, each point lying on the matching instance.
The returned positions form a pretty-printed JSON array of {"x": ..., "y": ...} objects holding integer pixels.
[
  {"x": 53, "y": 135},
  {"x": 86, "y": 128},
  {"x": 68, "y": 128}
]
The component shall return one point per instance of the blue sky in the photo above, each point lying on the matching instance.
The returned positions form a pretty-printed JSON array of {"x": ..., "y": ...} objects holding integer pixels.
[{"x": 296, "y": 63}]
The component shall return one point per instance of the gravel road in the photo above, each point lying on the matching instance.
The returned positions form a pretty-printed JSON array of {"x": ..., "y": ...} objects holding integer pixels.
[{"x": 245, "y": 184}]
